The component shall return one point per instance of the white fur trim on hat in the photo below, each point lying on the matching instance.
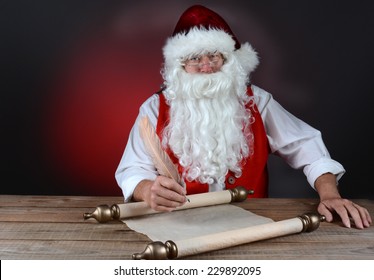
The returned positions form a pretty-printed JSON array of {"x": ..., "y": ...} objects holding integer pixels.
[{"x": 199, "y": 40}]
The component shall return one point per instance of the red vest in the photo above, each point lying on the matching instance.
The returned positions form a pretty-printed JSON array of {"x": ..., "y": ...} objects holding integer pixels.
[{"x": 254, "y": 169}]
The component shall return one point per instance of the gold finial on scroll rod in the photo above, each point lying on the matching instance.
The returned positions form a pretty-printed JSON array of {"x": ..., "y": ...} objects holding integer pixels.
[
  {"x": 158, "y": 251},
  {"x": 240, "y": 194},
  {"x": 104, "y": 213},
  {"x": 311, "y": 221}
]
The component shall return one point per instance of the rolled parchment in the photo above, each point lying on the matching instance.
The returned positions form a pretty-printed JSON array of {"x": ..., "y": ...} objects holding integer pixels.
[
  {"x": 178, "y": 249},
  {"x": 104, "y": 213}
]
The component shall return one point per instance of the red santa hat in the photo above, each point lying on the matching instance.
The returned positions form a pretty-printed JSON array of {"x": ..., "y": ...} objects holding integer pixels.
[{"x": 199, "y": 30}]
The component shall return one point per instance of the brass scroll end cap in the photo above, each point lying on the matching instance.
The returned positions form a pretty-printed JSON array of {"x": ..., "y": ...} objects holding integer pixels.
[
  {"x": 104, "y": 213},
  {"x": 311, "y": 221},
  {"x": 158, "y": 251},
  {"x": 240, "y": 194}
]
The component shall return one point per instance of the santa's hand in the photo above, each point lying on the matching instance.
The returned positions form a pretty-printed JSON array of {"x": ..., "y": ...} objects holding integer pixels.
[
  {"x": 348, "y": 211},
  {"x": 165, "y": 194}
]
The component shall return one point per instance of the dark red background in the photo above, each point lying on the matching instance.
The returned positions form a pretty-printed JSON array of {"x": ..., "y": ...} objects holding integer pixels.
[{"x": 75, "y": 72}]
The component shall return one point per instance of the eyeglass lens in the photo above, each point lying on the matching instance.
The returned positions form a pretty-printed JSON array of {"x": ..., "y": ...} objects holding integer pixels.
[{"x": 212, "y": 59}]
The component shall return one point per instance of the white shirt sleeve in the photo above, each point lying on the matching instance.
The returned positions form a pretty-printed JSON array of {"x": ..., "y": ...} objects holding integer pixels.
[
  {"x": 299, "y": 144},
  {"x": 136, "y": 165}
]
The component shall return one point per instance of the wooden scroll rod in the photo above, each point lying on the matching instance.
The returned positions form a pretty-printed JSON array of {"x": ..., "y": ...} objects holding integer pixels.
[{"x": 104, "y": 213}]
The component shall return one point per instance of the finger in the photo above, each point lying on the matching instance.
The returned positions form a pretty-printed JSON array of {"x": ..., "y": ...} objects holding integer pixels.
[
  {"x": 171, "y": 184},
  {"x": 339, "y": 208},
  {"x": 162, "y": 194},
  {"x": 172, "y": 196},
  {"x": 368, "y": 218},
  {"x": 170, "y": 189},
  {"x": 323, "y": 210},
  {"x": 162, "y": 208},
  {"x": 343, "y": 213},
  {"x": 355, "y": 214},
  {"x": 164, "y": 205},
  {"x": 367, "y": 221},
  {"x": 160, "y": 203},
  {"x": 364, "y": 215}
]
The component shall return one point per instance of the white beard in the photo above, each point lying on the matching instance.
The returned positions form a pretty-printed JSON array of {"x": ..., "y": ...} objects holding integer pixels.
[{"x": 210, "y": 128}]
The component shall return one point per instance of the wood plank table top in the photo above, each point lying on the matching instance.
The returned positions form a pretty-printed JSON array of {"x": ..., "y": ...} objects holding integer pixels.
[{"x": 53, "y": 228}]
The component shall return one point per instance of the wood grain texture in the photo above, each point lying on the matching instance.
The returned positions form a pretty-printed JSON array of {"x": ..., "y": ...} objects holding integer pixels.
[{"x": 52, "y": 227}]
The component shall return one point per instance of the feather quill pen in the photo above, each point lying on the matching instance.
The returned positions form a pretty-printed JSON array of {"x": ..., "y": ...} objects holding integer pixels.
[{"x": 160, "y": 158}]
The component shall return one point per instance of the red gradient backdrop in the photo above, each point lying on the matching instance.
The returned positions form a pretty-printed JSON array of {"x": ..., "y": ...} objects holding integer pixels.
[
  {"x": 74, "y": 74},
  {"x": 95, "y": 100}
]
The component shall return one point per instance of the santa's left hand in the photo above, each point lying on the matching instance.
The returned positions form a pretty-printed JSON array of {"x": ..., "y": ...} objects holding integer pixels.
[{"x": 348, "y": 211}]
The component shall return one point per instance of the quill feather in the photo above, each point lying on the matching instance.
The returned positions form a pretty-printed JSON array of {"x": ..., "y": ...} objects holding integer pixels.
[{"x": 160, "y": 158}]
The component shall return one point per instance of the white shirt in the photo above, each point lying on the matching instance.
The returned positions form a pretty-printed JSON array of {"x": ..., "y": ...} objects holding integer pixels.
[{"x": 299, "y": 144}]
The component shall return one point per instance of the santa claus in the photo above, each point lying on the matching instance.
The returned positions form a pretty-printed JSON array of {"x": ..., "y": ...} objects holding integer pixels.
[
  {"x": 211, "y": 114},
  {"x": 218, "y": 128}
]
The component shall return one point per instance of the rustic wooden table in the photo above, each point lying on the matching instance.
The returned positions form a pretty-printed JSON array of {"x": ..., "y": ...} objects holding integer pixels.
[{"x": 52, "y": 227}]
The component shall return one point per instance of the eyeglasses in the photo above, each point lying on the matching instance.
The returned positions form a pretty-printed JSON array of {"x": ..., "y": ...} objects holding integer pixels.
[{"x": 199, "y": 61}]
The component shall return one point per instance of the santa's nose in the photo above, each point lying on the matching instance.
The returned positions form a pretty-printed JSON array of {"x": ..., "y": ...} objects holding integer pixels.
[{"x": 206, "y": 65}]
